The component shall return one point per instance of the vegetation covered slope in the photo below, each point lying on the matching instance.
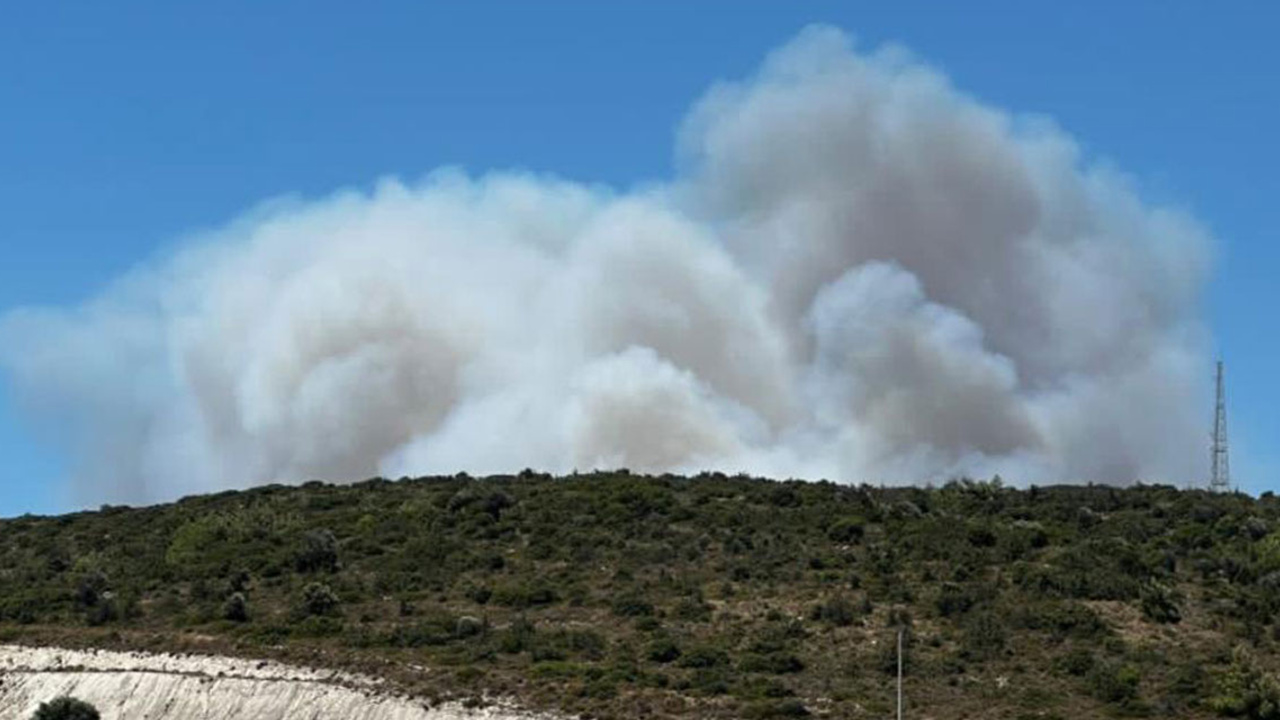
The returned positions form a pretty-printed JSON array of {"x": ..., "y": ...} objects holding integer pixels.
[{"x": 625, "y": 596}]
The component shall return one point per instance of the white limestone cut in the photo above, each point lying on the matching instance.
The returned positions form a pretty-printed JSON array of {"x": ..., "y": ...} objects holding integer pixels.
[{"x": 142, "y": 686}]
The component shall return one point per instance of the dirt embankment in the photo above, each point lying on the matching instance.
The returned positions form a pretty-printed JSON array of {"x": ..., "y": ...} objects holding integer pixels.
[{"x": 139, "y": 686}]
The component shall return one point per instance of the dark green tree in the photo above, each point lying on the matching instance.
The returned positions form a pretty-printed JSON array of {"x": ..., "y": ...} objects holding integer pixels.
[{"x": 318, "y": 552}]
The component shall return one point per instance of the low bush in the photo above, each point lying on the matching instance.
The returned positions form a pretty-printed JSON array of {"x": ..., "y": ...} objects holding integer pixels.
[
  {"x": 847, "y": 530},
  {"x": 318, "y": 552},
  {"x": 838, "y": 611},
  {"x": 1114, "y": 683},
  {"x": 66, "y": 708},
  {"x": 319, "y": 599},
  {"x": 663, "y": 650},
  {"x": 704, "y": 656},
  {"x": 1160, "y": 604},
  {"x": 1245, "y": 691},
  {"x": 236, "y": 608},
  {"x": 789, "y": 708},
  {"x": 632, "y": 605}
]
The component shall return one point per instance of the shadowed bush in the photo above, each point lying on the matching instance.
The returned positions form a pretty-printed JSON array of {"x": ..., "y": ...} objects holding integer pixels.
[{"x": 66, "y": 708}]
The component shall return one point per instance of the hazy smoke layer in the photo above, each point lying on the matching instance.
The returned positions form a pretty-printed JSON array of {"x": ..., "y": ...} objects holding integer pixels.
[{"x": 859, "y": 274}]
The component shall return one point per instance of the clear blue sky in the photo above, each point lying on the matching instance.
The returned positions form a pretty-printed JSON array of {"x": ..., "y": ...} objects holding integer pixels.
[{"x": 125, "y": 125}]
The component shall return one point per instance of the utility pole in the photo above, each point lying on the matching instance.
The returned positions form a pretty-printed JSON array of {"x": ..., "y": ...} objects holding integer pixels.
[
  {"x": 899, "y": 673},
  {"x": 1220, "y": 477}
]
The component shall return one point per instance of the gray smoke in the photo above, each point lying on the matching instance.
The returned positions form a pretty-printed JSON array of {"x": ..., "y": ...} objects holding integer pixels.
[{"x": 859, "y": 273}]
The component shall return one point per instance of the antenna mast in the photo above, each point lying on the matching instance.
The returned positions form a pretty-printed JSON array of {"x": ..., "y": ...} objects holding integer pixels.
[
  {"x": 1220, "y": 479},
  {"x": 899, "y": 673}
]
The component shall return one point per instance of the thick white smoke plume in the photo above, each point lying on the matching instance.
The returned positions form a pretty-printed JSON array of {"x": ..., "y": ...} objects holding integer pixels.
[{"x": 859, "y": 274}]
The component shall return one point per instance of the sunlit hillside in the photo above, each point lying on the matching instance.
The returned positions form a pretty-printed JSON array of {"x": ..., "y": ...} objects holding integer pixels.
[{"x": 624, "y": 596}]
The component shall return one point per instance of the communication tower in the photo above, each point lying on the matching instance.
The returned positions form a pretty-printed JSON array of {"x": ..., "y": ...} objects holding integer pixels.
[{"x": 1220, "y": 479}]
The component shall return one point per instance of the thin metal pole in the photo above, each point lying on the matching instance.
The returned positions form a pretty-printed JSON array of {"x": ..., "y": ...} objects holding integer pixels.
[{"x": 899, "y": 673}]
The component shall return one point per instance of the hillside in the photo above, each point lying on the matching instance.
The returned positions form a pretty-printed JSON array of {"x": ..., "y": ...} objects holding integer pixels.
[{"x": 623, "y": 596}]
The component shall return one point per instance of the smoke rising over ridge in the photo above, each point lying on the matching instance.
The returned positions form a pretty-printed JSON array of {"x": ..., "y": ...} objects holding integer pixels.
[{"x": 858, "y": 273}]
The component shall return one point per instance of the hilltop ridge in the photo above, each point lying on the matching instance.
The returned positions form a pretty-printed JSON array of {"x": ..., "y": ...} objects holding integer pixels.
[{"x": 617, "y": 595}]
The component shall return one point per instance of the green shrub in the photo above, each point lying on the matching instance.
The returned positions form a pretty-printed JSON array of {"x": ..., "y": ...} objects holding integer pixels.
[
  {"x": 762, "y": 688},
  {"x": 318, "y": 627},
  {"x": 1245, "y": 691},
  {"x": 523, "y": 595},
  {"x": 1112, "y": 683},
  {"x": 437, "y": 629},
  {"x": 1078, "y": 662},
  {"x": 193, "y": 540},
  {"x": 777, "y": 663},
  {"x": 559, "y": 669},
  {"x": 663, "y": 650},
  {"x": 91, "y": 588},
  {"x": 1190, "y": 683},
  {"x": 982, "y": 536},
  {"x": 984, "y": 637},
  {"x": 518, "y": 637},
  {"x": 954, "y": 599},
  {"x": 708, "y": 681},
  {"x": 66, "y": 708},
  {"x": 704, "y": 656},
  {"x": 837, "y": 610},
  {"x": 1268, "y": 551},
  {"x": 318, "y": 552},
  {"x": 1063, "y": 619},
  {"x": 848, "y": 530},
  {"x": 886, "y": 658},
  {"x": 319, "y": 599},
  {"x": 692, "y": 610},
  {"x": 235, "y": 608},
  {"x": 468, "y": 626},
  {"x": 105, "y": 610},
  {"x": 1160, "y": 604},
  {"x": 789, "y": 708},
  {"x": 632, "y": 605}
]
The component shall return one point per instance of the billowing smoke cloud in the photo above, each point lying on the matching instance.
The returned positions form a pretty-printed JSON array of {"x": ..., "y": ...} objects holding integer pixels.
[{"x": 859, "y": 273}]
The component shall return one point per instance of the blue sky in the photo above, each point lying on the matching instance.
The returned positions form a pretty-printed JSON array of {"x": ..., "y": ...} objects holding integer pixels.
[{"x": 125, "y": 126}]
